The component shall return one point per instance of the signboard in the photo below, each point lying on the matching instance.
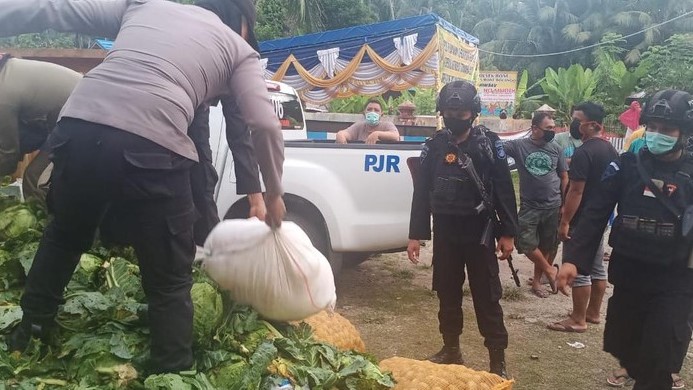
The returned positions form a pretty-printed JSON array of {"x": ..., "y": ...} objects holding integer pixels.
[
  {"x": 497, "y": 93},
  {"x": 458, "y": 59}
]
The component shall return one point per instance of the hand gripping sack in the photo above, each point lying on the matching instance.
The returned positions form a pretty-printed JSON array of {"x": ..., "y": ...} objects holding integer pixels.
[{"x": 277, "y": 272}]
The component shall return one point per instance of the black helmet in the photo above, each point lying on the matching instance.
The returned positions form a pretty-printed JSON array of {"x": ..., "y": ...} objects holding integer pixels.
[
  {"x": 457, "y": 95},
  {"x": 671, "y": 106}
]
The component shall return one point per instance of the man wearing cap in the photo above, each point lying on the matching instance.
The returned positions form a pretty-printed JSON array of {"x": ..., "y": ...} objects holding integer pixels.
[{"x": 464, "y": 182}]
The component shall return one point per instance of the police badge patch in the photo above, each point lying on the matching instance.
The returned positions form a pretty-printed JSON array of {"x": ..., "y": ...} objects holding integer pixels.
[{"x": 500, "y": 151}]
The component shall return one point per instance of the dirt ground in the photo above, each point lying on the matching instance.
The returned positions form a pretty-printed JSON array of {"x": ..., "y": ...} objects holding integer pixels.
[{"x": 390, "y": 301}]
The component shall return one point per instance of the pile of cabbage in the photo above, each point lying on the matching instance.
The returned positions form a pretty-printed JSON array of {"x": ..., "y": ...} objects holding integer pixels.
[{"x": 101, "y": 338}]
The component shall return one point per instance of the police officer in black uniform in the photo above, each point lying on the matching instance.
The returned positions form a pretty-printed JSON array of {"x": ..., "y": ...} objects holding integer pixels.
[
  {"x": 650, "y": 267},
  {"x": 458, "y": 164}
]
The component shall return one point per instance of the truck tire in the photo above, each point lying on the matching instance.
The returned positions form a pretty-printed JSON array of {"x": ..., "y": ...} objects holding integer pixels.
[{"x": 318, "y": 236}]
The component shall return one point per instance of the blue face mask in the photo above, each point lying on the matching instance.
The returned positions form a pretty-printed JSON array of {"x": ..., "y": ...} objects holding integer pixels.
[
  {"x": 372, "y": 118},
  {"x": 659, "y": 144}
]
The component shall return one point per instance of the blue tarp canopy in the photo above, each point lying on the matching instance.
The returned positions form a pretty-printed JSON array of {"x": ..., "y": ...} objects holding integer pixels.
[{"x": 350, "y": 40}]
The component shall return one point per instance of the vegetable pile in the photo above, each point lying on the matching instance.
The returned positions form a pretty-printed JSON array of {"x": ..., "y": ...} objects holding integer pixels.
[{"x": 101, "y": 338}]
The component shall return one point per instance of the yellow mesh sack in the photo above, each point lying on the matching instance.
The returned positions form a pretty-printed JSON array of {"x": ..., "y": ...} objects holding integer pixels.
[
  {"x": 332, "y": 328},
  {"x": 423, "y": 375}
]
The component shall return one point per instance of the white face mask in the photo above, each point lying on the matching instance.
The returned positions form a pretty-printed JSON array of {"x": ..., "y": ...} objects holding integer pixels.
[{"x": 372, "y": 118}]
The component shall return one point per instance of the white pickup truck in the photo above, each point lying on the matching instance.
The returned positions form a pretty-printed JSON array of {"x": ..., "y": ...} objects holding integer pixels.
[{"x": 350, "y": 199}]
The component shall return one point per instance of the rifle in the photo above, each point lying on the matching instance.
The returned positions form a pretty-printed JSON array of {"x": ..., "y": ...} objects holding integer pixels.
[{"x": 487, "y": 237}]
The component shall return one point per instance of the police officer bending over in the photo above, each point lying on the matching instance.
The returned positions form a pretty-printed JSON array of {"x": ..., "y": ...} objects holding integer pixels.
[
  {"x": 464, "y": 181},
  {"x": 650, "y": 268}
]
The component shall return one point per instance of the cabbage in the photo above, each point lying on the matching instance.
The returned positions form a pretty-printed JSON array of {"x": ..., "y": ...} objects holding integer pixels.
[
  {"x": 208, "y": 312},
  {"x": 16, "y": 220}
]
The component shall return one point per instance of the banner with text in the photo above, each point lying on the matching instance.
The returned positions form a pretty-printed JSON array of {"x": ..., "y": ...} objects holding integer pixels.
[
  {"x": 458, "y": 59},
  {"x": 497, "y": 93}
]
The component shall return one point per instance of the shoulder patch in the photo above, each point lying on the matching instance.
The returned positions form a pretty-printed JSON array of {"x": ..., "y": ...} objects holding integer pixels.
[
  {"x": 500, "y": 150},
  {"x": 611, "y": 171}
]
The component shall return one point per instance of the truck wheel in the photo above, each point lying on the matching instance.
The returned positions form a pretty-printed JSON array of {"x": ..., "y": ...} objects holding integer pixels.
[{"x": 318, "y": 236}]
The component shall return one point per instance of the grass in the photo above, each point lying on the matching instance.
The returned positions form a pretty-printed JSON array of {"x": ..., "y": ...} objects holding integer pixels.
[{"x": 513, "y": 293}]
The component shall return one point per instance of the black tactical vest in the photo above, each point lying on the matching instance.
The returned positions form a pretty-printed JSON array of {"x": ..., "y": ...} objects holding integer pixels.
[
  {"x": 454, "y": 192},
  {"x": 645, "y": 230}
]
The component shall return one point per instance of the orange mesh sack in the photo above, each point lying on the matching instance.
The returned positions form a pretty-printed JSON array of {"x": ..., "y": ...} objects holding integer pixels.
[
  {"x": 423, "y": 375},
  {"x": 332, "y": 328}
]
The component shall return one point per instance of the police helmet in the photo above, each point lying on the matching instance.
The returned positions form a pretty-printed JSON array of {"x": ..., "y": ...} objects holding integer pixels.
[
  {"x": 458, "y": 95},
  {"x": 671, "y": 106}
]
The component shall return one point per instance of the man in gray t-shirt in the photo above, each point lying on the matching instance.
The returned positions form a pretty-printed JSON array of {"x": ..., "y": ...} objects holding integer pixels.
[{"x": 543, "y": 178}]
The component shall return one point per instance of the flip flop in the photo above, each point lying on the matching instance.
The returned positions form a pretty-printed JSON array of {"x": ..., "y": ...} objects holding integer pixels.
[
  {"x": 561, "y": 327},
  {"x": 677, "y": 382},
  {"x": 619, "y": 380},
  {"x": 540, "y": 293}
]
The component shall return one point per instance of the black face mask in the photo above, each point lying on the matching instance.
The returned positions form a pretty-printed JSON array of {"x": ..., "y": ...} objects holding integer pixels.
[
  {"x": 575, "y": 129},
  {"x": 458, "y": 126},
  {"x": 548, "y": 135}
]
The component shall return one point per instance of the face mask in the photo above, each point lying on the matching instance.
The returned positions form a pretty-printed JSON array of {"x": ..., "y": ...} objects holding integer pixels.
[
  {"x": 659, "y": 144},
  {"x": 458, "y": 126},
  {"x": 372, "y": 118},
  {"x": 575, "y": 129},
  {"x": 548, "y": 135}
]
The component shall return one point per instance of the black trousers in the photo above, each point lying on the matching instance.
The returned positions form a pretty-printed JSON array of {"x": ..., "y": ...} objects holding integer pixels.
[
  {"x": 96, "y": 167},
  {"x": 649, "y": 333},
  {"x": 452, "y": 252},
  {"x": 203, "y": 178}
]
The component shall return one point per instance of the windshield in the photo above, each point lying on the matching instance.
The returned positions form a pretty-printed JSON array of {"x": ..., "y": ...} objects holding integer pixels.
[{"x": 288, "y": 110}]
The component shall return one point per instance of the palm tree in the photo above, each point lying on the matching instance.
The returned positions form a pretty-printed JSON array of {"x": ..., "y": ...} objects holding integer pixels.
[{"x": 307, "y": 14}]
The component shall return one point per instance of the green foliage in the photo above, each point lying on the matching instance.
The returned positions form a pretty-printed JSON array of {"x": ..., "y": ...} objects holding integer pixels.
[
  {"x": 423, "y": 98},
  {"x": 102, "y": 338},
  {"x": 568, "y": 87},
  {"x": 671, "y": 64},
  {"x": 346, "y": 13},
  {"x": 270, "y": 19}
]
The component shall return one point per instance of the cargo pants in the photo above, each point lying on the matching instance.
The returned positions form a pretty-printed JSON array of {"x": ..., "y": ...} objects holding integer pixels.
[{"x": 95, "y": 167}]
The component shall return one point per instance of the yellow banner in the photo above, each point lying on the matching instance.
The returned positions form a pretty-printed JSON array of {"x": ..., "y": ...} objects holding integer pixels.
[
  {"x": 497, "y": 93},
  {"x": 458, "y": 59}
]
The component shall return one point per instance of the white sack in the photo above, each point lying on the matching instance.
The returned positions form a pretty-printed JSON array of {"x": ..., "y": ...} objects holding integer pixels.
[{"x": 279, "y": 273}]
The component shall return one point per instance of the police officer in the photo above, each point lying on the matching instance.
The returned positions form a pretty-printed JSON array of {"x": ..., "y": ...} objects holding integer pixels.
[
  {"x": 650, "y": 268},
  {"x": 122, "y": 139},
  {"x": 464, "y": 181}
]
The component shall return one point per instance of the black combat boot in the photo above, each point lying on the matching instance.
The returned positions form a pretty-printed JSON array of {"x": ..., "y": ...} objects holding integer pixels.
[
  {"x": 497, "y": 366},
  {"x": 19, "y": 338},
  {"x": 450, "y": 353}
]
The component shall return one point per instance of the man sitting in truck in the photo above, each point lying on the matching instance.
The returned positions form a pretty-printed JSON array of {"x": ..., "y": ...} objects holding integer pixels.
[{"x": 371, "y": 129}]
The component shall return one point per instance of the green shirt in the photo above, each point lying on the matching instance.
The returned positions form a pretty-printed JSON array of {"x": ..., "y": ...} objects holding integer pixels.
[
  {"x": 567, "y": 143},
  {"x": 32, "y": 93}
]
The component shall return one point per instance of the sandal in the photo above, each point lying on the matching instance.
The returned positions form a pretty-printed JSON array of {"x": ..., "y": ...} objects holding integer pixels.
[
  {"x": 677, "y": 382},
  {"x": 563, "y": 327},
  {"x": 619, "y": 378}
]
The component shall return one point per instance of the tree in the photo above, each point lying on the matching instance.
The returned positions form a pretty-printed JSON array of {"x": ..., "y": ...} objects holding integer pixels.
[
  {"x": 568, "y": 87},
  {"x": 270, "y": 20},
  {"x": 346, "y": 13},
  {"x": 673, "y": 64}
]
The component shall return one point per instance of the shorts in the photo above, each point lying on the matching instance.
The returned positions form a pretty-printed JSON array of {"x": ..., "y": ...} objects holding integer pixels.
[
  {"x": 538, "y": 229},
  {"x": 598, "y": 269}
]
